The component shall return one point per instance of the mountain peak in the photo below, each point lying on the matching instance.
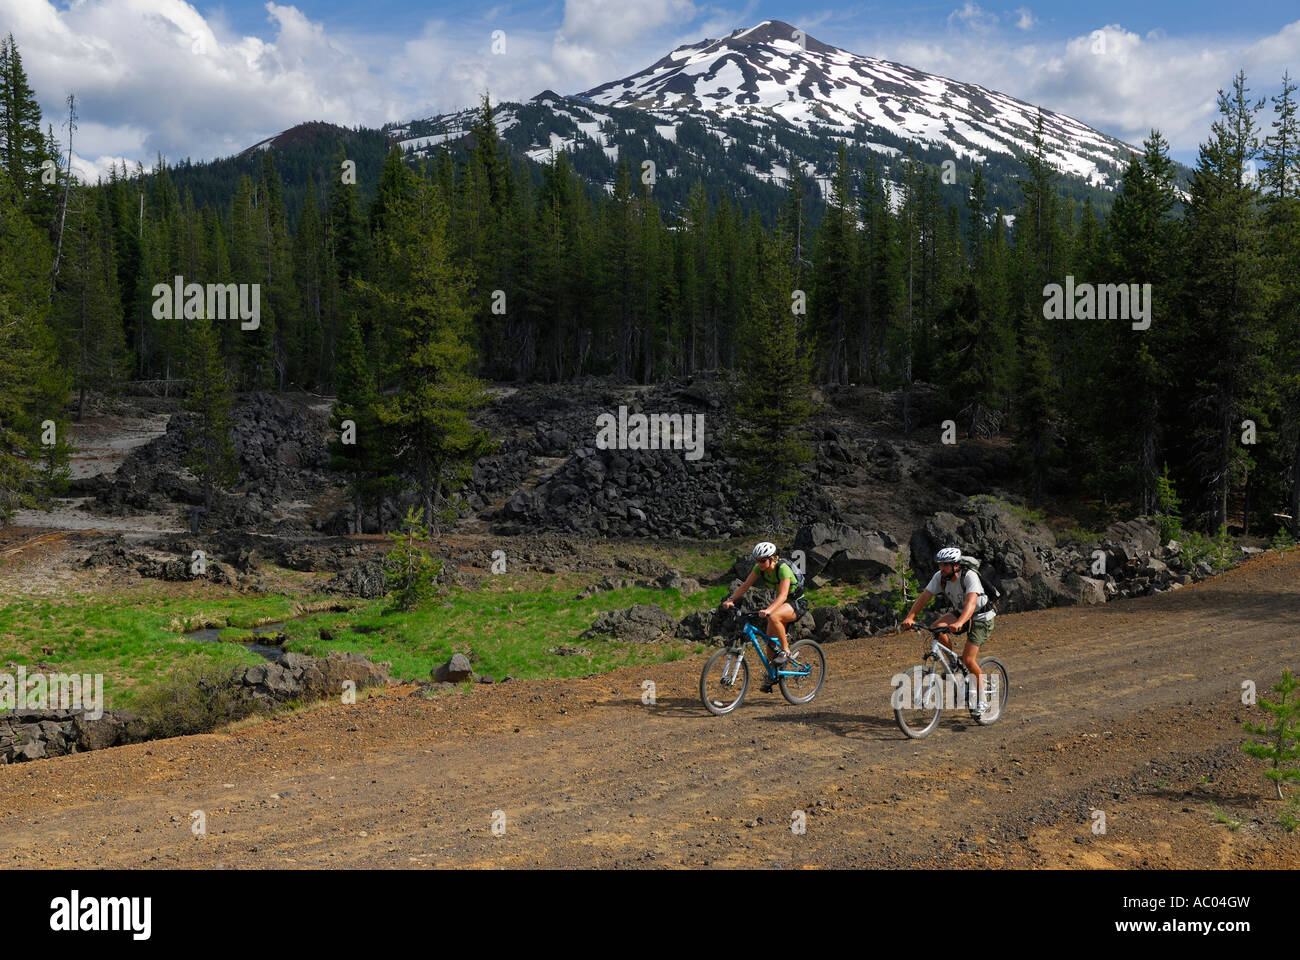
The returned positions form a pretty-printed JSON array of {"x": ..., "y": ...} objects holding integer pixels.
[
  {"x": 765, "y": 92},
  {"x": 772, "y": 32},
  {"x": 776, "y": 73}
]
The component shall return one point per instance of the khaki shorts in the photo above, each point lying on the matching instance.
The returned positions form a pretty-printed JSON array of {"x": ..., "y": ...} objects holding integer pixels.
[{"x": 979, "y": 631}]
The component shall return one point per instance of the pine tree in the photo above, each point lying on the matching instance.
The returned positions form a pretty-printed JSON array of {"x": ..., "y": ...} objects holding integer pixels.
[
  {"x": 835, "y": 283},
  {"x": 22, "y": 146},
  {"x": 429, "y": 391},
  {"x": 1281, "y": 148},
  {"x": 33, "y": 385},
  {"x": 1281, "y": 176},
  {"x": 773, "y": 401},
  {"x": 87, "y": 305},
  {"x": 1282, "y": 744},
  {"x": 209, "y": 397},
  {"x": 267, "y": 347},
  {"x": 1038, "y": 262},
  {"x": 355, "y": 413},
  {"x": 882, "y": 276},
  {"x": 1224, "y": 354},
  {"x": 309, "y": 338},
  {"x": 410, "y": 572},
  {"x": 979, "y": 338}
]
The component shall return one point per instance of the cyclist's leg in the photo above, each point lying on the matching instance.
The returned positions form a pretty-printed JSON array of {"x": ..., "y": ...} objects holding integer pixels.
[
  {"x": 776, "y": 624},
  {"x": 944, "y": 620},
  {"x": 979, "y": 631}
]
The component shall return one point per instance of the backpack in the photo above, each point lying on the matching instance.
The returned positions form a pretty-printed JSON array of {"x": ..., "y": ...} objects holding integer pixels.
[
  {"x": 796, "y": 591},
  {"x": 972, "y": 565}
]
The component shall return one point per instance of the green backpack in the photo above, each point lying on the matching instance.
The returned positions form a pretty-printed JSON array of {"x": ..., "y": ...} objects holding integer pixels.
[{"x": 796, "y": 591}]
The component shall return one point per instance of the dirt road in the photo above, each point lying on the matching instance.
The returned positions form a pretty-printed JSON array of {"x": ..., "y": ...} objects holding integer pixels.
[{"x": 1130, "y": 710}]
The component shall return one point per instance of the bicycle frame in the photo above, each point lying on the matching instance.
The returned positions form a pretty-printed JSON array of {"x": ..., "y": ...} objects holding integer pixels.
[
  {"x": 952, "y": 663},
  {"x": 754, "y": 635}
]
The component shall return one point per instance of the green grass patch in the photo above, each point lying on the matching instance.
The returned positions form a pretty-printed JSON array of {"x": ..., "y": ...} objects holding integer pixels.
[
  {"x": 1024, "y": 514},
  {"x": 1079, "y": 536},
  {"x": 511, "y": 624},
  {"x": 1225, "y": 818}
]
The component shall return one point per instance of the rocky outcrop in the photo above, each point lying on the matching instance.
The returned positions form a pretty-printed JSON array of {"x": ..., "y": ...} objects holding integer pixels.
[
  {"x": 281, "y": 453},
  {"x": 296, "y": 676},
  {"x": 673, "y": 580},
  {"x": 643, "y": 623},
  {"x": 838, "y": 551},
  {"x": 37, "y": 734},
  {"x": 366, "y": 580},
  {"x": 456, "y": 670}
]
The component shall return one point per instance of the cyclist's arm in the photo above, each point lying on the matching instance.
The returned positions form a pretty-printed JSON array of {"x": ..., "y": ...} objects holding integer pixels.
[
  {"x": 782, "y": 592},
  {"x": 740, "y": 591},
  {"x": 968, "y": 611},
  {"x": 917, "y": 607}
]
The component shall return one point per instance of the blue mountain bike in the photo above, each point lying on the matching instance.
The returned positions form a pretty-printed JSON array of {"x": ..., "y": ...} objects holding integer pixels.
[{"x": 725, "y": 678}]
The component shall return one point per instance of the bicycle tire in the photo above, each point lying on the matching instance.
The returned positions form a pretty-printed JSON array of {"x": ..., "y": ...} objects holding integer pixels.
[
  {"x": 994, "y": 668},
  {"x": 816, "y": 659},
  {"x": 714, "y": 704},
  {"x": 926, "y": 686}
]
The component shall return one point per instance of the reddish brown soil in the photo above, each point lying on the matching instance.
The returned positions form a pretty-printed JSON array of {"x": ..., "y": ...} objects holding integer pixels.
[{"x": 1133, "y": 709}]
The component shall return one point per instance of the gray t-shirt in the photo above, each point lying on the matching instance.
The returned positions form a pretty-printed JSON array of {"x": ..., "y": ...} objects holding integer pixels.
[{"x": 956, "y": 590}]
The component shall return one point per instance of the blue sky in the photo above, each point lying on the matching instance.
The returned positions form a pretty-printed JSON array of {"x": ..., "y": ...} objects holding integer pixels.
[{"x": 207, "y": 79}]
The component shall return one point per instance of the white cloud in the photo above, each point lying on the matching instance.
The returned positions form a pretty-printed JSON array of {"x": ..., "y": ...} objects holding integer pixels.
[
  {"x": 973, "y": 17},
  {"x": 1132, "y": 84},
  {"x": 157, "y": 76},
  {"x": 609, "y": 22}
]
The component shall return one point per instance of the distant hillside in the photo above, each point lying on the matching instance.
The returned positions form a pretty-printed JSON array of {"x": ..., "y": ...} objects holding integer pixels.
[{"x": 306, "y": 150}]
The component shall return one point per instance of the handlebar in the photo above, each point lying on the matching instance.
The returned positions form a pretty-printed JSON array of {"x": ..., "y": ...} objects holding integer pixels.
[{"x": 946, "y": 628}]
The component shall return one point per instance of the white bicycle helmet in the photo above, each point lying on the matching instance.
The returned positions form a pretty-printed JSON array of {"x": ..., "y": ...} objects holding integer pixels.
[
  {"x": 763, "y": 551},
  {"x": 948, "y": 555}
]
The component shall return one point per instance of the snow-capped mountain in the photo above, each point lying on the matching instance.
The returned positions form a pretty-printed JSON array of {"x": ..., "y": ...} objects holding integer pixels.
[
  {"x": 775, "y": 70},
  {"x": 742, "y": 108}
]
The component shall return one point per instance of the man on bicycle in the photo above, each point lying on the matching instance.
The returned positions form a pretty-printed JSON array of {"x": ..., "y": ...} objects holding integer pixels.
[
  {"x": 789, "y": 604},
  {"x": 969, "y": 605}
]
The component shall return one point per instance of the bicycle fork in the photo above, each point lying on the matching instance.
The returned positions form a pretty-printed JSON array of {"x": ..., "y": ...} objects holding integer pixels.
[{"x": 733, "y": 669}]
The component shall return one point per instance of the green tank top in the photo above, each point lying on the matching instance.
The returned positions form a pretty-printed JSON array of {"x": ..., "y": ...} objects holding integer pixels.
[{"x": 773, "y": 580}]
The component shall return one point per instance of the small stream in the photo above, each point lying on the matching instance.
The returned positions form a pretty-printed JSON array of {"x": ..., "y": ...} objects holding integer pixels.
[{"x": 265, "y": 650}]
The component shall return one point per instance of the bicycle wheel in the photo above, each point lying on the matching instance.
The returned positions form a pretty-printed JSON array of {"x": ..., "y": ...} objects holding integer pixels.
[
  {"x": 803, "y": 687},
  {"x": 918, "y": 702},
  {"x": 724, "y": 680},
  {"x": 997, "y": 685}
]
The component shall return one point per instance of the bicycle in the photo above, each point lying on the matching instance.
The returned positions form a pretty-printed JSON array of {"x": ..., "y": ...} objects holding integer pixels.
[
  {"x": 725, "y": 678},
  {"x": 922, "y": 696}
]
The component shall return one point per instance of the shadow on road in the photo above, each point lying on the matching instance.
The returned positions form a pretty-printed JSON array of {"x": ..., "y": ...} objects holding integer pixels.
[{"x": 852, "y": 726}]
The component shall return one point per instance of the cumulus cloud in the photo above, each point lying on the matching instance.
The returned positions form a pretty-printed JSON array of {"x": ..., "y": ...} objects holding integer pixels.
[
  {"x": 973, "y": 17},
  {"x": 159, "y": 76},
  {"x": 608, "y": 22},
  {"x": 1111, "y": 78}
]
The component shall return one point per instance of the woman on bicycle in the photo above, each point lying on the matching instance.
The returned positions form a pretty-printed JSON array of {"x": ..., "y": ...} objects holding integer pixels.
[{"x": 789, "y": 605}]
